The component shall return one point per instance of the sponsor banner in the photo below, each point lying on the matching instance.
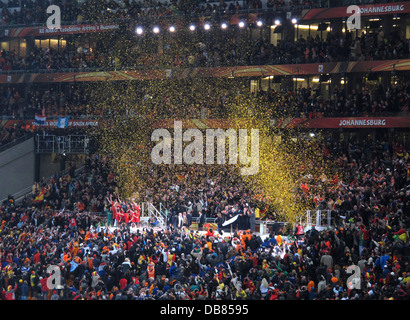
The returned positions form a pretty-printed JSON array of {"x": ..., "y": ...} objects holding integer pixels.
[
  {"x": 289, "y": 123},
  {"x": 69, "y": 29},
  {"x": 365, "y": 10},
  {"x": 72, "y": 123},
  {"x": 333, "y": 123},
  {"x": 53, "y": 123},
  {"x": 359, "y": 122}
]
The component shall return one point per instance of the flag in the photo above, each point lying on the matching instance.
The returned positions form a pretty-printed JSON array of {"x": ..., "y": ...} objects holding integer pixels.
[
  {"x": 304, "y": 187},
  {"x": 39, "y": 119},
  {"x": 228, "y": 222},
  {"x": 39, "y": 197},
  {"x": 62, "y": 122},
  {"x": 262, "y": 212},
  {"x": 73, "y": 266},
  {"x": 180, "y": 177},
  {"x": 101, "y": 268}
]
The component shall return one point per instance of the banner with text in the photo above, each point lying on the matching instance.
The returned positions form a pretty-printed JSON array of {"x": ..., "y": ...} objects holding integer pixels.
[
  {"x": 333, "y": 123},
  {"x": 53, "y": 123},
  {"x": 365, "y": 10},
  {"x": 69, "y": 29}
]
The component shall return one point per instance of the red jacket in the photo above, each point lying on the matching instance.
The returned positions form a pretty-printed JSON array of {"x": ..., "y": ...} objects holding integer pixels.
[
  {"x": 123, "y": 283},
  {"x": 44, "y": 285},
  {"x": 10, "y": 295},
  {"x": 366, "y": 233},
  {"x": 36, "y": 258}
]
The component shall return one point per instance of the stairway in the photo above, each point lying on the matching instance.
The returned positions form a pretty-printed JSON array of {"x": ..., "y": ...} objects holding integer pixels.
[{"x": 155, "y": 213}]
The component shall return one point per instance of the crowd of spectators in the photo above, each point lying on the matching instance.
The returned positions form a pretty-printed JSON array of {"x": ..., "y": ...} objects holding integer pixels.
[
  {"x": 371, "y": 178},
  {"x": 193, "y": 104},
  {"x": 49, "y": 59},
  {"x": 334, "y": 47},
  {"x": 19, "y": 104},
  {"x": 101, "y": 262},
  {"x": 309, "y": 103},
  {"x": 67, "y": 221},
  {"x": 195, "y": 99},
  {"x": 12, "y": 134},
  {"x": 216, "y": 193},
  {"x": 23, "y": 103},
  {"x": 375, "y": 177},
  {"x": 189, "y": 50},
  {"x": 28, "y": 12}
]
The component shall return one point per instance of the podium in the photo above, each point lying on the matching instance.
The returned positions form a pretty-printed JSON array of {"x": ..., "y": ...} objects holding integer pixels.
[
  {"x": 267, "y": 227},
  {"x": 263, "y": 228}
]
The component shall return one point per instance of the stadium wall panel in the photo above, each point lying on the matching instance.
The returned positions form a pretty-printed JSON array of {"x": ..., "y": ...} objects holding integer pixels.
[{"x": 17, "y": 167}]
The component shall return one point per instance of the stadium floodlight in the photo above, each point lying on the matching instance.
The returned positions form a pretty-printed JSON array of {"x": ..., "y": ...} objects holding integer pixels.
[
  {"x": 241, "y": 24},
  {"x": 192, "y": 27},
  {"x": 277, "y": 22},
  {"x": 259, "y": 23},
  {"x": 171, "y": 29},
  {"x": 224, "y": 25},
  {"x": 139, "y": 30},
  {"x": 207, "y": 26},
  {"x": 155, "y": 30},
  {"x": 294, "y": 21}
]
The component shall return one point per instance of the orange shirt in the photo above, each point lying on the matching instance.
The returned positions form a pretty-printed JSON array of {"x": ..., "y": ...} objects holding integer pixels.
[
  {"x": 90, "y": 263},
  {"x": 310, "y": 285},
  {"x": 88, "y": 236},
  {"x": 67, "y": 257}
]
